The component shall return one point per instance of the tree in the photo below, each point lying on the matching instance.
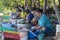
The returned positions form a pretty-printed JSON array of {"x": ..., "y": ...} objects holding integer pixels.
[
  {"x": 56, "y": 11},
  {"x": 38, "y": 3},
  {"x": 30, "y": 3},
  {"x": 59, "y": 5},
  {"x": 59, "y": 2},
  {"x": 34, "y": 3},
  {"x": 10, "y": 4},
  {"x": 26, "y": 4},
  {"x": 45, "y": 5}
]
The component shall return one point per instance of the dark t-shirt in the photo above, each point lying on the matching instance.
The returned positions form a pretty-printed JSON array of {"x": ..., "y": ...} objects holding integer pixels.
[{"x": 30, "y": 17}]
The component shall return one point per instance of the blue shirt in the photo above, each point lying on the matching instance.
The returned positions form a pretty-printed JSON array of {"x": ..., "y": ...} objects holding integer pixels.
[
  {"x": 43, "y": 21},
  {"x": 30, "y": 17}
]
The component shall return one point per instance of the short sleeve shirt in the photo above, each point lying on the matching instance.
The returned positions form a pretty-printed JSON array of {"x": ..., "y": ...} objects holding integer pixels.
[{"x": 43, "y": 21}]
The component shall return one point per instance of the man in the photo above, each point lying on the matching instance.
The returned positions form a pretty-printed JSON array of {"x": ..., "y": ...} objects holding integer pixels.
[{"x": 44, "y": 24}]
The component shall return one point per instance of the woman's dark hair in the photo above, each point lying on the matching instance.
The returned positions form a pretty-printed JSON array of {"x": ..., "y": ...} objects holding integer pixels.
[
  {"x": 27, "y": 11},
  {"x": 18, "y": 10},
  {"x": 39, "y": 10}
]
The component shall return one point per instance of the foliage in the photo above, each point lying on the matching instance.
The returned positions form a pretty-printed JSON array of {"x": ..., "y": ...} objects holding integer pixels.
[{"x": 7, "y": 5}]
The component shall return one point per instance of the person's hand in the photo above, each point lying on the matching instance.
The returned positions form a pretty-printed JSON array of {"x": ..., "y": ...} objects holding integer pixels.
[
  {"x": 34, "y": 30},
  {"x": 33, "y": 20},
  {"x": 37, "y": 28},
  {"x": 40, "y": 28}
]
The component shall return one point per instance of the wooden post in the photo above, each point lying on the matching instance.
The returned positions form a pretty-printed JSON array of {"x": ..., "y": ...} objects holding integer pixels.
[{"x": 56, "y": 10}]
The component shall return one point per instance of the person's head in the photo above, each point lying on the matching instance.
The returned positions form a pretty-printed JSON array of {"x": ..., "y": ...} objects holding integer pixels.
[
  {"x": 33, "y": 10},
  {"x": 38, "y": 12},
  {"x": 27, "y": 11}
]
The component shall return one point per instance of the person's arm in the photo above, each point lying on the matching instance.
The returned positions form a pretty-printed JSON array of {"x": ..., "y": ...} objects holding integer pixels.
[
  {"x": 39, "y": 27},
  {"x": 34, "y": 20},
  {"x": 41, "y": 23},
  {"x": 28, "y": 18}
]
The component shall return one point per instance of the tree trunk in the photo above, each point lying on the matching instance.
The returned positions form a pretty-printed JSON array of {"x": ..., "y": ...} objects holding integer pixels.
[
  {"x": 26, "y": 4},
  {"x": 45, "y": 5},
  {"x": 38, "y": 3},
  {"x": 30, "y": 3},
  {"x": 20, "y": 2},
  {"x": 56, "y": 10},
  {"x": 59, "y": 2},
  {"x": 59, "y": 5},
  {"x": 48, "y": 4},
  {"x": 34, "y": 3}
]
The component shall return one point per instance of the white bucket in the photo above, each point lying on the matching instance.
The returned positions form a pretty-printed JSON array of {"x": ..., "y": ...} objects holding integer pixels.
[
  {"x": 23, "y": 34},
  {"x": 23, "y": 31}
]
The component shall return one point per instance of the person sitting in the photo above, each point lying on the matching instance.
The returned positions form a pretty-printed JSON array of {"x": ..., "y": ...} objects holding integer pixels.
[
  {"x": 44, "y": 24},
  {"x": 30, "y": 16}
]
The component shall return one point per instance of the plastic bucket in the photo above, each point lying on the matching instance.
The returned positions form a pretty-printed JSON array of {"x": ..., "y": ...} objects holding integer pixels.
[{"x": 23, "y": 34}]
